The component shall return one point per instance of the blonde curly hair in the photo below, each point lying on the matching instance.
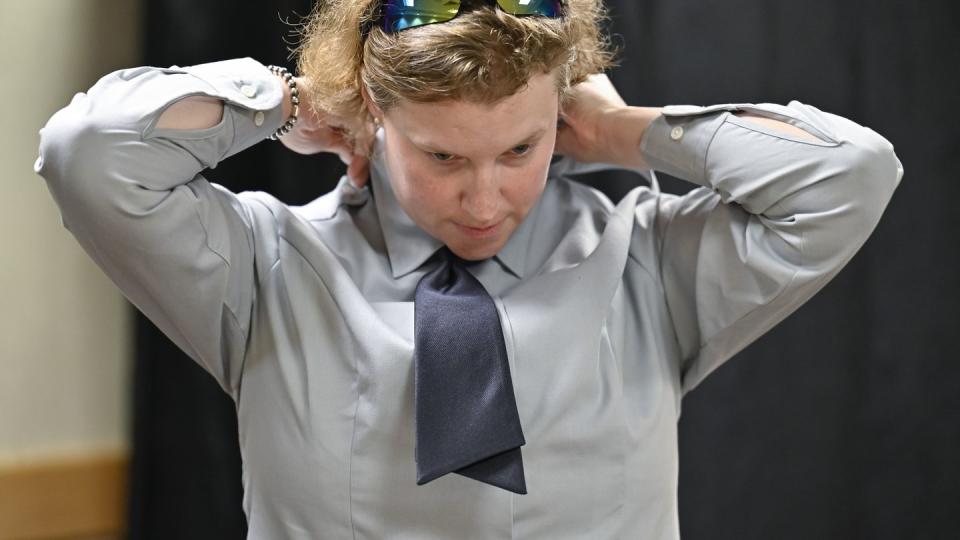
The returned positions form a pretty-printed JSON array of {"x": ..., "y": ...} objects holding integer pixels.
[{"x": 482, "y": 56}]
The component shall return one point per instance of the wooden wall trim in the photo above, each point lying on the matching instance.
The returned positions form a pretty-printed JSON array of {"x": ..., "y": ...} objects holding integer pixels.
[{"x": 64, "y": 497}]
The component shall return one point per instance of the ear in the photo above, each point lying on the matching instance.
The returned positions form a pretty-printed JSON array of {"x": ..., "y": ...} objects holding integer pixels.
[{"x": 372, "y": 107}]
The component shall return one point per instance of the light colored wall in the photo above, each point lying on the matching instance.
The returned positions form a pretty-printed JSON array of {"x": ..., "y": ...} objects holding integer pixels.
[{"x": 65, "y": 345}]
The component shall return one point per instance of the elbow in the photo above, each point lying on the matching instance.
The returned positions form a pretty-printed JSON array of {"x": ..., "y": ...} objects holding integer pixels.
[
  {"x": 864, "y": 171},
  {"x": 67, "y": 143},
  {"x": 874, "y": 162},
  {"x": 74, "y": 156},
  {"x": 870, "y": 165},
  {"x": 873, "y": 155}
]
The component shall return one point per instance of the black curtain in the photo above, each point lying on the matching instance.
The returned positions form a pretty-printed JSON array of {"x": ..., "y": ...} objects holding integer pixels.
[{"x": 842, "y": 422}]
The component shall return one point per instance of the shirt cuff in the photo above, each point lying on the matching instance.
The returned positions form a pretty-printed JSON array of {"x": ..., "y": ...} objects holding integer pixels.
[
  {"x": 676, "y": 142},
  {"x": 252, "y": 101}
]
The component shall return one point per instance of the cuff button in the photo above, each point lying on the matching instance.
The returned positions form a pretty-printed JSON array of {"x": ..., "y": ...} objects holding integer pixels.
[
  {"x": 248, "y": 90},
  {"x": 676, "y": 133},
  {"x": 258, "y": 118}
]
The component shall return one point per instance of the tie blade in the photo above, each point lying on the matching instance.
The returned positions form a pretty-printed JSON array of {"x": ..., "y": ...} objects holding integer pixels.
[
  {"x": 465, "y": 409},
  {"x": 502, "y": 470},
  {"x": 462, "y": 435},
  {"x": 435, "y": 459}
]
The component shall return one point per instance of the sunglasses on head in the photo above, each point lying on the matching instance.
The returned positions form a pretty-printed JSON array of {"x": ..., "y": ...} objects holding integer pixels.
[{"x": 398, "y": 15}]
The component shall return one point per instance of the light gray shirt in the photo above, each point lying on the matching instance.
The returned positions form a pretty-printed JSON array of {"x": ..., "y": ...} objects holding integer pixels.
[{"x": 610, "y": 312}]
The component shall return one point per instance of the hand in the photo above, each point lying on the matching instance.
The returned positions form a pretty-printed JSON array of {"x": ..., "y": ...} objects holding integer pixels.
[
  {"x": 600, "y": 127},
  {"x": 317, "y": 131},
  {"x": 583, "y": 113}
]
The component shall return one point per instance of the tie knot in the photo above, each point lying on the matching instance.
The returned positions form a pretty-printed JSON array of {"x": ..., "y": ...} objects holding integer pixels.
[
  {"x": 450, "y": 275},
  {"x": 444, "y": 254}
]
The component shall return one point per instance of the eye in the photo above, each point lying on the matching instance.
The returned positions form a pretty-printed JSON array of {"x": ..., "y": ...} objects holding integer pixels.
[
  {"x": 439, "y": 156},
  {"x": 521, "y": 150}
]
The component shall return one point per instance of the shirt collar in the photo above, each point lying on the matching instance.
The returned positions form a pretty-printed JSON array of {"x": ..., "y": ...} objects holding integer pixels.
[{"x": 409, "y": 246}]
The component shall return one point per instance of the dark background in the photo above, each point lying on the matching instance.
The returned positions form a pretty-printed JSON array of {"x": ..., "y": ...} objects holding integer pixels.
[{"x": 843, "y": 422}]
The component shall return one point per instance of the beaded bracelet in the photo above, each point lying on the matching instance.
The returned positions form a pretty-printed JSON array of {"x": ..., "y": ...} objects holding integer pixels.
[{"x": 294, "y": 99}]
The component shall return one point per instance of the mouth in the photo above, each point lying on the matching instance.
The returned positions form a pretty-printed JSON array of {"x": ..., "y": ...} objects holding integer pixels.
[{"x": 481, "y": 232}]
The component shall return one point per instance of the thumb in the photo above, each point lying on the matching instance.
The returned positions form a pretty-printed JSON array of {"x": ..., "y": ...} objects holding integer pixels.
[{"x": 359, "y": 170}]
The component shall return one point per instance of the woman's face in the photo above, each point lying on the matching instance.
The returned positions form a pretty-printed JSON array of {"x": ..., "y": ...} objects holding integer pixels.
[{"x": 467, "y": 173}]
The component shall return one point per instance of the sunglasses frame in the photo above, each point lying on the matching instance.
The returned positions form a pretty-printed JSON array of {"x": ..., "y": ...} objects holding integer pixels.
[{"x": 379, "y": 15}]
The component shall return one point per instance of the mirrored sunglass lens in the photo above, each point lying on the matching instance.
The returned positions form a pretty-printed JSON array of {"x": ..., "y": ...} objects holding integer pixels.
[
  {"x": 403, "y": 14},
  {"x": 547, "y": 8}
]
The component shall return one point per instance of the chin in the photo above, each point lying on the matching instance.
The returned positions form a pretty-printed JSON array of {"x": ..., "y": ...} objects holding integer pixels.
[
  {"x": 475, "y": 252},
  {"x": 476, "y": 249}
]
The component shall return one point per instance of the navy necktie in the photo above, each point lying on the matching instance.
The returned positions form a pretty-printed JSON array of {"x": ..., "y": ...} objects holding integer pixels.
[{"x": 466, "y": 412}]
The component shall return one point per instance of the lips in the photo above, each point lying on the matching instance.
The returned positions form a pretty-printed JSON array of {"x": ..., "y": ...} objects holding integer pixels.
[{"x": 480, "y": 232}]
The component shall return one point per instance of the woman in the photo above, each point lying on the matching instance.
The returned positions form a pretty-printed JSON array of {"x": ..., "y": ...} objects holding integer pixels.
[{"x": 339, "y": 331}]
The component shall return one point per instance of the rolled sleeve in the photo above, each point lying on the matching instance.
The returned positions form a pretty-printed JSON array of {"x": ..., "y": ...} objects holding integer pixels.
[
  {"x": 180, "y": 248},
  {"x": 776, "y": 218}
]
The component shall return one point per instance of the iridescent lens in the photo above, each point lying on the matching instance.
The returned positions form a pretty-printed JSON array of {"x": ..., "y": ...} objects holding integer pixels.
[
  {"x": 547, "y": 8},
  {"x": 403, "y": 14}
]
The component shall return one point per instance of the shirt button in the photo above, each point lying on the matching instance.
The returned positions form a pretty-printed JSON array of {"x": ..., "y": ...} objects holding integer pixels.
[
  {"x": 248, "y": 90},
  {"x": 676, "y": 133},
  {"x": 258, "y": 118}
]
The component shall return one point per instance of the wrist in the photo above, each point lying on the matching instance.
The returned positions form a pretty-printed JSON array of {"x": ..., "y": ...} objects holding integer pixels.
[
  {"x": 287, "y": 109},
  {"x": 290, "y": 102},
  {"x": 622, "y": 129}
]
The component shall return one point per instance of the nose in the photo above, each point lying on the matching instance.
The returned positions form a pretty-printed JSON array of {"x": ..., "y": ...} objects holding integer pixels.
[{"x": 481, "y": 199}]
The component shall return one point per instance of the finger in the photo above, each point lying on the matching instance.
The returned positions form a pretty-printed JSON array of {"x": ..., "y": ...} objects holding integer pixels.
[
  {"x": 343, "y": 149},
  {"x": 359, "y": 170},
  {"x": 334, "y": 141}
]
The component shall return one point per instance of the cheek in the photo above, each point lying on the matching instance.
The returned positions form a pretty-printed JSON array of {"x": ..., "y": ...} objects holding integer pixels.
[
  {"x": 425, "y": 195},
  {"x": 527, "y": 186},
  {"x": 433, "y": 196}
]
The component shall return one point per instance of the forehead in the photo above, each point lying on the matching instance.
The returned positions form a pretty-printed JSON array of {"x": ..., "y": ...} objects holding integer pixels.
[{"x": 464, "y": 127}]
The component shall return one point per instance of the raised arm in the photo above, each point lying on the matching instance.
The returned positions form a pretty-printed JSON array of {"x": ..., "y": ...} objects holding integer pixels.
[
  {"x": 779, "y": 214},
  {"x": 128, "y": 186},
  {"x": 788, "y": 195}
]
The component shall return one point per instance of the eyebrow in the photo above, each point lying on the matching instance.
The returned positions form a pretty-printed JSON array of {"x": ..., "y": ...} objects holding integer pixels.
[{"x": 427, "y": 146}]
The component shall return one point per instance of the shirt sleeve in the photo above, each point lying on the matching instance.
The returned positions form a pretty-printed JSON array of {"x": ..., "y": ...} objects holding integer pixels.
[
  {"x": 180, "y": 249},
  {"x": 776, "y": 217}
]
